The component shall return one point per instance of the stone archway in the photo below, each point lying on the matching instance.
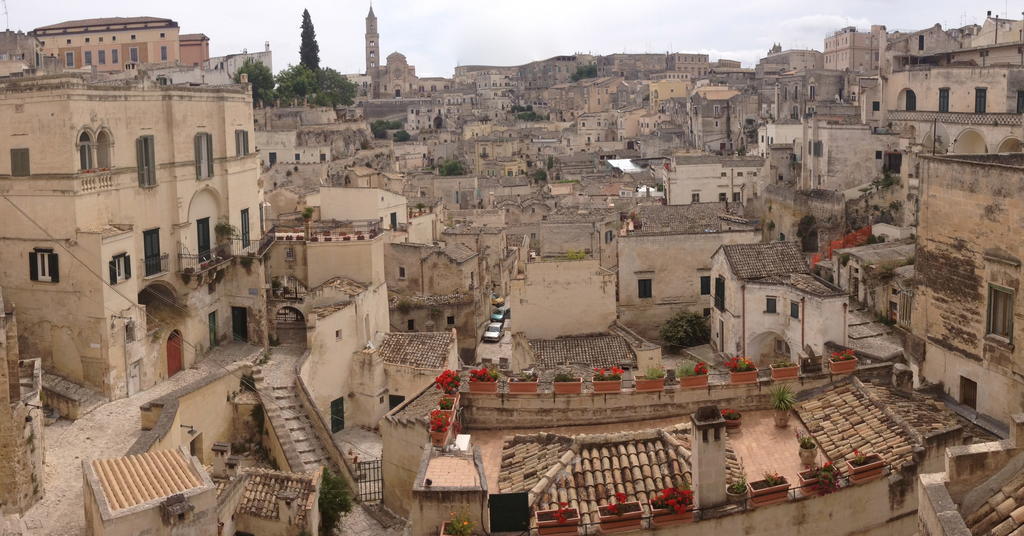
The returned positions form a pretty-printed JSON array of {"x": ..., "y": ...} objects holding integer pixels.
[
  {"x": 970, "y": 142},
  {"x": 290, "y": 325},
  {"x": 1010, "y": 145},
  {"x": 768, "y": 347}
]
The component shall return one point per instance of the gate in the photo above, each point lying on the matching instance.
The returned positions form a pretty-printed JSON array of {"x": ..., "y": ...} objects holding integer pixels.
[
  {"x": 369, "y": 481},
  {"x": 510, "y": 512}
]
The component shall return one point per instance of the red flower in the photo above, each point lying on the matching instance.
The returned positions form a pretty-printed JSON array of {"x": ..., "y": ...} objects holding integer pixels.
[
  {"x": 483, "y": 374},
  {"x": 620, "y": 497},
  {"x": 448, "y": 382},
  {"x": 730, "y": 414},
  {"x": 678, "y": 499},
  {"x": 740, "y": 364},
  {"x": 439, "y": 421},
  {"x": 700, "y": 368}
]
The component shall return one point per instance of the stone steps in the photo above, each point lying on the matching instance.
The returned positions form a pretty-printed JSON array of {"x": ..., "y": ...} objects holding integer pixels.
[{"x": 299, "y": 441}]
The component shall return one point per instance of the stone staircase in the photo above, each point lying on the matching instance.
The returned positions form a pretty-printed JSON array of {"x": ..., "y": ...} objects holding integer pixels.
[{"x": 283, "y": 408}]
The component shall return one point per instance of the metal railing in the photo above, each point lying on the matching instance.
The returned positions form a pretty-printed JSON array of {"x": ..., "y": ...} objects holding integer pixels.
[
  {"x": 155, "y": 264},
  {"x": 957, "y": 118}
]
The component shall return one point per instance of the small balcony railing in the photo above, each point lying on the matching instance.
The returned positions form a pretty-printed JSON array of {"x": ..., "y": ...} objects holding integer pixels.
[{"x": 155, "y": 264}]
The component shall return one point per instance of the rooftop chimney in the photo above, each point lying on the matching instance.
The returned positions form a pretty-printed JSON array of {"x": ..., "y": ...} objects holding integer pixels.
[
  {"x": 232, "y": 465},
  {"x": 221, "y": 451},
  {"x": 286, "y": 505},
  {"x": 708, "y": 457}
]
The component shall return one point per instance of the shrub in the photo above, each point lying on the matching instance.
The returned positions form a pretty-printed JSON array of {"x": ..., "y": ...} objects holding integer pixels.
[
  {"x": 696, "y": 369},
  {"x": 783, "y": 398},
  {"x": 565, "y": 377},
  {"x": 335, "y": 500},
  {"x": 686, "y": 329},
  {"x": 401, "y": 136},
  {"x": 654, "y": 373}
]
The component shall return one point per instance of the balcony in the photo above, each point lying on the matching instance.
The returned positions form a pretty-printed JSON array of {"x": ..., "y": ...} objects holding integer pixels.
[
  {"x": 957, "y": 118},
  {"x": 325, "y": 230},
  {"x": 221, "y": 254},
  {"x": 155, "y": 265}
]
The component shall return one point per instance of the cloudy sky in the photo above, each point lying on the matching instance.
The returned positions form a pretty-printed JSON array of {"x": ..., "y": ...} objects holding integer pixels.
[{"x": 437, "y": 35}]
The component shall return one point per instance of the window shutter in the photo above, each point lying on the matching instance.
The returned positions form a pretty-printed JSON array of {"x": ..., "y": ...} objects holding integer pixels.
[
  {"x": 112, "y": 268},
  {"x": 209, "y": 155},
  {"x": 140, "y": 159},
  {"x": 54, "y": 268},
  {"x": 127, "y": 266},
  {"x": 198, "y": 151},
  {"x": 245, "y": 137},
  {"x": 151, "y": 160},
  {"x": 33, "y": 268}
]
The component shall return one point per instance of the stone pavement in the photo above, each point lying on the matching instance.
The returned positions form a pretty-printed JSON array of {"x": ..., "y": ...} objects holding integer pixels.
[{"x": 360, "y": 523}]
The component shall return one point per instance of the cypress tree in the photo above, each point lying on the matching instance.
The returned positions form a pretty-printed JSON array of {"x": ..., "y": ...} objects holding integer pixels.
[{"x": 309, "y": 50}]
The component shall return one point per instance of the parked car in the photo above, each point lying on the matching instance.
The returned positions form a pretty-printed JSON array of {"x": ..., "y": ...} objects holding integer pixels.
[
  {"x": 497, "y": 301},
  {"x": 493, "y": 332},
  {"x": 501, "y": 314}
]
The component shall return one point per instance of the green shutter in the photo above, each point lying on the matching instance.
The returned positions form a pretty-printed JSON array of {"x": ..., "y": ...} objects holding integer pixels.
[
  {"x": 209, "y": 155},
  {"x": 127, "y": 266},
  {"x": 54, "y": 268},
  {"x": 198, "y": 151},
  {"x": 151, "y": 160},
  {"x": 140, "y": 159},
  {"x": 33, "y": 268}
]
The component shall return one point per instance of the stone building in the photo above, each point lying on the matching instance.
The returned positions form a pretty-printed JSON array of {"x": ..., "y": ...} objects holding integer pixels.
[
  {"x": 146, "y": 260},
  {"x": 394, "y": 77},
  {"x": 710, "y": 179},
  {"x": 665, "y": 260},
  {"x": 870, "y": 275},
  {"x": 552, "y": 298},
  {"x": 590, "y": 231},
  {"x": 768, "y": 306},
  {"x": 847, "y": 49}
]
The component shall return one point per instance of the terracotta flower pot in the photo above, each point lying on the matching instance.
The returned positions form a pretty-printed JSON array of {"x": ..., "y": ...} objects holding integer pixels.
[
  {"x": 629, "y": 517},
  {"x": 809, "y": 482},
  {"x": 609, "y": 386},
  {"x": 700, "y": 380},
  {"x": 665, "y": 517},
  {"x": 785, "y": 373},
  {"x": 870, "y": 470},
  {"x": 548, "y": 523},
  {"x": 522, "y": 387},
  {"x": 568, "y": 388},
  {"x": 807, "y": 456},
  {"x": 733, "y": 423},
  {"x": 644, "y": 385},
  {"x": 781, "y": 419},
  {"x": 455, "y": 402},
  {"x": 762, "y": 494},
  {"x": 842, "y": 367},
  {"x": 483, "y": 387},
  {"x": 736, "y": 498},
  {"x": 749, "y": 376},
  {"x": 437, "y": 438}
]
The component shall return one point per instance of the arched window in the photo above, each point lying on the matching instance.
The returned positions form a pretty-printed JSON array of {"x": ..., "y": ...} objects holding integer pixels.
[
  {"x": 85, "y": 151},
  {"x": 103, "y": 145},
  {"x": 911, "y": 101}
]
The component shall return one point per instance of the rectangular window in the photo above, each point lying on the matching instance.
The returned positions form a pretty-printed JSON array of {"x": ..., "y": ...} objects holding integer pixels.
[
  {"x": 114, "y": 55},
  {"x": 401, "y": 272},
  {"x": 878, "y": 155},
  {"x": 298, "y": 157},
  {"x": 289, "y": 254},
  {"x": 695, "y": 198},
  {"x": 120, "y": 268},
  {"x": 968, "y": 392},
  {"x": 133, "y": 53},
  {"x": 769, "y": 304},
  {"x": 794, "y": 309},
  {"x": 1000, "y": 312},
  {"x": 980, "y": 100},
  {"x": 722, "y": 197},
  {"x": 1020, "y": 101},
  {"x": 145, "y": 158},
  {"x": 272, "y": 158},
  {"x": 151, "y": 252},
  {"x": 42, "y": 265},
  {"x": 920, "y": 42},
  {"x": 88, "y": 57},
  {"x": 101, "y": 57},
  {"x": 944, "y": 99},
  {"x": 163, "y": 53},
  {"x": 410, "y": 325},
  {"x": 736, "y": 197},
  {"x": 20, "y": 163},
  {"x": 241, "y": 142},
  {"x": 337, "y": 334},
  {"x": 245, "y": 227},
  {"x": 705, "y": 285},
  {"x": 69, "y": 59},
  {"x": 644, "y": 288},
  {"x": 204, "y": 155},
  {"x": 875, "y": 106},
  {"x": 451, "y": 320}
]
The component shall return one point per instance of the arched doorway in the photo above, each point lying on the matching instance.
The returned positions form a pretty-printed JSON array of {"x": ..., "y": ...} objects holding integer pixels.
[
  {"x": 970, "y": 142},
  {"x": 767, "y": 348},
  {"x": 174, "y": 353},
  {"x": 907, "y": 100},
  {"x": 1010, "y": 145},
  {"x": 291, "y": 326},
  {"x": 438, "y": 122}
]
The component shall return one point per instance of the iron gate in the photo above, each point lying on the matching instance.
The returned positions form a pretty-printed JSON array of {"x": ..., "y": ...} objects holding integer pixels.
[
  {"x": 369, "y": 481},
  {"x": 510, "y": 512}
]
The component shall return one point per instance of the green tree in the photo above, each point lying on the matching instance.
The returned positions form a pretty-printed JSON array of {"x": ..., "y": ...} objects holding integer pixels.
[
  {"x": 309, "y": 50},
  {"x": 584, "y": 71},
  {"x": 335, "y": 500},
  {"x": 451, "y": 167},
  {"x": 262, "y": 81},
  {"x": 296, "y": 83},
  {"x": 686, "y": 329},
  {"x": 333, "y": 89},
  {"x": 540, "y": 175},
  {"x": 401, "y": 136},
  {"x": 550, "y": 162}
]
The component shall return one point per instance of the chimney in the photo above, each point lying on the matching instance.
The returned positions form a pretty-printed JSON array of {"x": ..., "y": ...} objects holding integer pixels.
[
  {"x": 243, "y": 78},
  {"x": 903, "y": 379},
  {"x": 221, "y": 451},
  {"x": 233, "y": 464},
  {"x": 287, "y": 502},
  {"x": 708, "y": 457},
  {"x": 266, "y": 46}
]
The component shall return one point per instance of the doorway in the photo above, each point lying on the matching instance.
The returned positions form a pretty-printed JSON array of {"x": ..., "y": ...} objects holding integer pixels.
[
  {"x": 203, "y": 238},
  {"x": 239, "y": 324},
  {"x": 212, "y": 320},
  {"x": 174, "y": 353},
  {"x": 337, "y": 415},
  {"x": 969, "y": 393}
]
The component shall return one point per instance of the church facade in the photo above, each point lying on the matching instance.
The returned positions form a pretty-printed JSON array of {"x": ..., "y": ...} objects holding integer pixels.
[{"x": 395, "y": 78}]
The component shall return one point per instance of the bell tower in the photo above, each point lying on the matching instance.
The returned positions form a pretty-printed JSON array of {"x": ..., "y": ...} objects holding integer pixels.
[{"x": 372, "y": 53}]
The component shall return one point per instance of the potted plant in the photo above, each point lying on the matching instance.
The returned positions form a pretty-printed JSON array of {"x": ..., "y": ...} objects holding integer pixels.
[
  {"x": 771, "y": 489},
  {"x": 672, "y": 506},
  {"x": 783, "y": 402},
  {"x": 864, "y": 467},
  {"x": 448, "y": 403},
  {"x": 621, "y": 515},
  {"x": 562, "y": 520},
  {"x": 693, "y": 376},
  {"x": 458, "y": 525},
  {"x": 842, "y": 362},
  {"x": 652, "y": 381},
  {"x": 785, "y": 370},
  {"x": 525, "y": 382},
  {"x": 448, "y": 382},
  {"x": 483, "y": 380},
  {"x": 608, "y": 380},
  {"x": 439, "y": 423},
  {"x": 808, "y": 448},
  {"x": 567, "y": 384},
  {"x": 733, "y": 418},
  {"x": 737, "y": 491},
  {"x": 819, "y": 480},
  {"x": 742, "y": 370},
  {"x": 307, "y": 213}
]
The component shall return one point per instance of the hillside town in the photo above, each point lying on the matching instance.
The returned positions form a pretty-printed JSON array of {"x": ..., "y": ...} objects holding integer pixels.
[{"x": 640, "y": 293}]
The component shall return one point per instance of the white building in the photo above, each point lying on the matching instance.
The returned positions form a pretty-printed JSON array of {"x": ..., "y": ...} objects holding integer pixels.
[{"x": 709, "y": 178}]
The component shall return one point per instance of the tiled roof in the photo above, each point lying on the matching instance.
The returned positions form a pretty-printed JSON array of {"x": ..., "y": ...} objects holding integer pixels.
[
  {"x": 757, "y": 261},
  {"x": 1002, "y": 513},
  {"x": 589, "y": 350},
  {"x": 133, "y": 480},
  {"x": 581, "y": 215},
  {"x": 263, "y": 487},
  {"x": 105, "y": 21},
  {"x": 418, "y": 350},
  {"x": 693, "y": 218},
  {"x": 808, "y": 283},
  {"x": 419, "y": 407},
  {"x": 525, "y": 459},
  {"x": 459, "y": 253},
  {"x": 926, "y": 415}
]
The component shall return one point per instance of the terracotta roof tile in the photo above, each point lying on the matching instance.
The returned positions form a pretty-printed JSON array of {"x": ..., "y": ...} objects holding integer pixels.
[
  {"x": 262, "y": 489},
  {"x": 692, "y": 218},
  {"x": 591, "y": 351},
  {"x": 418, "y": 350},
  {"x": 758, "y": 261},
  {"x": 132, "y": 480}
]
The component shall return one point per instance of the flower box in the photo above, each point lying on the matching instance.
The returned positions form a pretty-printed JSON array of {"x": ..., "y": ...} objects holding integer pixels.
[
  {"x": 665, "y": 517},
  {"x": 455, "y": 402},
  {"x": 568, "y": 388},
  {"x": 844, "y": 366},
  {"x": 548, "y": 521},
  {"x": 483, "y": 387},
  {"x": 700, "y": 380},
  {"x": 360, "y": 237},
  {"x": 607, "y": 386},
  {"x": 749, "y": 376},
  {"x": 644, "y": 385},
  {"x": 762, "y": 493},
  {"x": 672, "y": 506},
  {"x": 522, "y": 387},
  {"x": 785, "y": 373},
  {"x": 437, "y": 439},
  {"x": 809, "y": 483},
  {"x": 346, "y": 238},
  {"x": 870, "y": 470},
  {"x": 620, "y": 517}
]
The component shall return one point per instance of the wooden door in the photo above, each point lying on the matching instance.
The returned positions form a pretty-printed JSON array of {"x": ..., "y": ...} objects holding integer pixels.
[
  {"x": 239, "y": 324},
  {"x": 203, "y": 238},
  {"x": 173, "y": 354}
]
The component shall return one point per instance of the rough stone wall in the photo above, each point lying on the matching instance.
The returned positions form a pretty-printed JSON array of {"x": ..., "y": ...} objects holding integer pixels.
[{"x": 785, "y": 207}]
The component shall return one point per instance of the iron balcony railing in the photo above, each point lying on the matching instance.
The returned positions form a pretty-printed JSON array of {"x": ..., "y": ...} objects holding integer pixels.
[
  {"x": 155, "y": 264},
  {"x": 223, "y": 252}
]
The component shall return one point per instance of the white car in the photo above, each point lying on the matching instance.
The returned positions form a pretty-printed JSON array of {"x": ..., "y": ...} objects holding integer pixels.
[{"x": 493, "y": 332}]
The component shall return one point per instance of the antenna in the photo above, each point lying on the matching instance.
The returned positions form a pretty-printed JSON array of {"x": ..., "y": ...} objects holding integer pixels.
[{"x": 7, "y": 18}]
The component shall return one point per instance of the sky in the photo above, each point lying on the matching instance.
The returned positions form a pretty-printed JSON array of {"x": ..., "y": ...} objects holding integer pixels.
[{"x": 437, "y": 35}]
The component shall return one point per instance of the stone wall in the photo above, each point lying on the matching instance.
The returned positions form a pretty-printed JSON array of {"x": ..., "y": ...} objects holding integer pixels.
[
  {"x": 563, "y": 298},
  {"x": 785, "y": 207}
]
